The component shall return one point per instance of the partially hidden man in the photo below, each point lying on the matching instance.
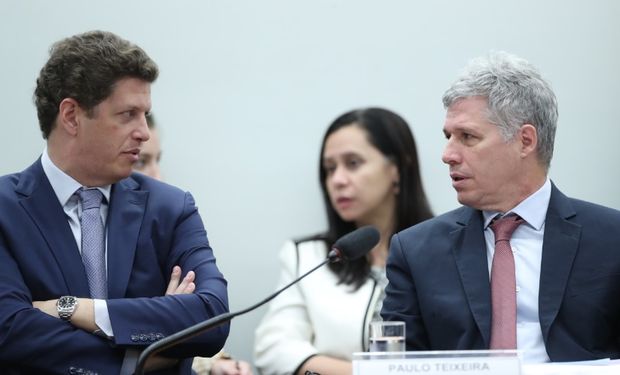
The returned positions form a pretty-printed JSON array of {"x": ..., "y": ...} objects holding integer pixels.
[
  {"x": 97, "y": 262},
  {"x": 520, "y": 265}
]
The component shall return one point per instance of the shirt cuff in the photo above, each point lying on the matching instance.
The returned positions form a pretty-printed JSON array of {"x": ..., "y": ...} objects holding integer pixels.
[{"x": 102, "y": 317}]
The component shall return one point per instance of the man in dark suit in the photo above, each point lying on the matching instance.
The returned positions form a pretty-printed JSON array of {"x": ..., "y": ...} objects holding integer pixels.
[
  {"x": 565, "y": 253},
  {"x": 56, "y": 317}
]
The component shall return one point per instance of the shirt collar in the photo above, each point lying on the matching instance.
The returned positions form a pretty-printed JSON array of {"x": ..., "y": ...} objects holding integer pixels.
[
  {"x": 64, "y": 185},
  {"x": 532, "y": 209}
]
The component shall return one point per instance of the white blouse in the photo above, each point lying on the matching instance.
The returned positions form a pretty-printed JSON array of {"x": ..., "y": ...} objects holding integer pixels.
[{"x": 315, "y": 316}]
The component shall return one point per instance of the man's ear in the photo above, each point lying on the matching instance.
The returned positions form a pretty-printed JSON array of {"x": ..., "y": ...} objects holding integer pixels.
[
  {"x": 68, "y": 116},
  {"x": 529, "y": 139}
]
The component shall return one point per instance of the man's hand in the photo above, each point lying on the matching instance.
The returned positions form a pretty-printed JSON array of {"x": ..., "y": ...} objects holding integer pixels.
[
  {"x": 178, "y": 286},
  {"x": 230, "y": 367},
  {"x": 175, "y": 286}
]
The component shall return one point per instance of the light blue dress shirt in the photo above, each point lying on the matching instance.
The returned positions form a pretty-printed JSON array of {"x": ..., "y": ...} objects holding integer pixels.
[{"x": 64, "y": 187}]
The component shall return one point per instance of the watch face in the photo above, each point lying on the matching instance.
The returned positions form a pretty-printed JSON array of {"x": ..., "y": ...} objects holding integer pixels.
[
  {"x": 66, "y": 306},
  {"x": 66, "y": 302}
]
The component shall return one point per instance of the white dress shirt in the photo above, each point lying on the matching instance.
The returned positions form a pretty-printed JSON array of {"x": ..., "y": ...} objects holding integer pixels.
[{"x": 526, "y": 244}]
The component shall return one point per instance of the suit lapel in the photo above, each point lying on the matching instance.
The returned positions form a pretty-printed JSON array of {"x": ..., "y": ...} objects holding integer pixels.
[
  {"x": 127, "y": 206},
  {"x": 470, "y": 254},
  {"x": 560, "y": 244},
  {"x": 41, "y": 204}
]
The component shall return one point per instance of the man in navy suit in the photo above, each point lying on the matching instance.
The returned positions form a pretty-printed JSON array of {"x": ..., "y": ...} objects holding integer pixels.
[
  {"x": 500, "y": 128},
  {"x": 92, "y": 98}
]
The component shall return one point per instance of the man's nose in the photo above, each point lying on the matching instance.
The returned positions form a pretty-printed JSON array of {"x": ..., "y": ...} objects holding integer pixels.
[
  {"x": 143, "y": 132},
  {"x": 450, "y": 154}
]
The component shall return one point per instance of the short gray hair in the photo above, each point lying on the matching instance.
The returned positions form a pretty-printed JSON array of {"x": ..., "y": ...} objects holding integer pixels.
[{"x": 516, "y": 95}]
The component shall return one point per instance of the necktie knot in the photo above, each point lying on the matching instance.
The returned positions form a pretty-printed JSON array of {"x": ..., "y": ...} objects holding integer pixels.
[
  {"x": 91, "y": 198},
  {"x": 504, "y": 227}
]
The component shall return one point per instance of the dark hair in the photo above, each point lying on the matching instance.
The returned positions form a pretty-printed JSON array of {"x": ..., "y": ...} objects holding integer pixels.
[
  {"x": 85, "y": 67},
  {"x": 390, "y": 134}
]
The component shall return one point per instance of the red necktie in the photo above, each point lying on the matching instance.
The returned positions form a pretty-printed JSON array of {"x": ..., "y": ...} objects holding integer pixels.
[{"x": 503, "y": 285}]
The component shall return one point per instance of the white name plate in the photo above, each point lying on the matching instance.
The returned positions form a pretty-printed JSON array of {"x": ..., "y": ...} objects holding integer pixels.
[{"x": 437, "y": 363}]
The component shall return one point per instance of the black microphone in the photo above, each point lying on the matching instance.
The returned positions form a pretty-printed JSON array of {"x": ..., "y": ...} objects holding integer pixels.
[
  {"x": 354, "y": 245},
  {"x": 351, "y": 246}
]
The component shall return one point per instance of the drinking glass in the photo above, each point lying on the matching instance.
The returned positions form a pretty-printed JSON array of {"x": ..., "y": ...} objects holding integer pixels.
[{"x": 387, "y": 336}]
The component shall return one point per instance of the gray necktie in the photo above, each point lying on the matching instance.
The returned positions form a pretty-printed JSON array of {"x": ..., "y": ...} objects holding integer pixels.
[{"x": 93, "y": 247}]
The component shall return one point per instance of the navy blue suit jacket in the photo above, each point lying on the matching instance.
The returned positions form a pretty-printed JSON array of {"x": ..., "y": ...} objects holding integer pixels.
[
  {"x": 151, "y": 227},
  {"x": 439, "y": 282}
]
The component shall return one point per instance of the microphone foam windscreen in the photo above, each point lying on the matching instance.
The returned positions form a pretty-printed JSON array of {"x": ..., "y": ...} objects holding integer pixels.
[{"x": 357, "y": 243}]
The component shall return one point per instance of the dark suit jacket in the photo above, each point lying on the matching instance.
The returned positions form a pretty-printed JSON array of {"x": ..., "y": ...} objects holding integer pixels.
[
  {"x": 151, "y": 227},
  {"x": 439, "y": 282}
]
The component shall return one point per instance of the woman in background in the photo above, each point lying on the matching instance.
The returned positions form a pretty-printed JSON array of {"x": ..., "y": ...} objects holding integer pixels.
[{"x": 369, "y": 175}]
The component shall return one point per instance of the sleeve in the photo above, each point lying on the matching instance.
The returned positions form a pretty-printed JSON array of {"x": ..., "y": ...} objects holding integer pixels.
[
  {"x": 401, "y": 299},
  {"x": 26, "y": 332},
  {"x": 283, "y": 339},
  {"x": 140, "y": 321}
]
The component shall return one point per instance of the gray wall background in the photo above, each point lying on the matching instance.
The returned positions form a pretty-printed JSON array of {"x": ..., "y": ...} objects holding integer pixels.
[{"x": 248, "y": 87}]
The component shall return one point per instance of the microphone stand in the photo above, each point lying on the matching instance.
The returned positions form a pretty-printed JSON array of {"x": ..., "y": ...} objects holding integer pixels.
[{"x": 199, "y": 328}]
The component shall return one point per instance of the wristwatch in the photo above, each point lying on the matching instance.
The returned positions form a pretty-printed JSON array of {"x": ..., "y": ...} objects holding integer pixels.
[{"x": 66, "y": 306}]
